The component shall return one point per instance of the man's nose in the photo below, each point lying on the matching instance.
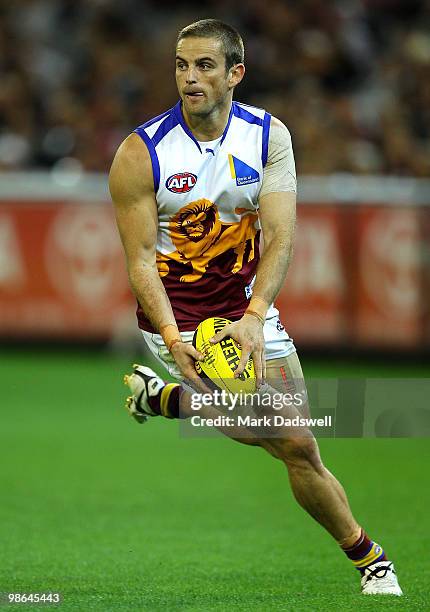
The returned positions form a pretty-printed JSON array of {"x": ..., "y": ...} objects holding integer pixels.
[{"x": 191, "y": 75}]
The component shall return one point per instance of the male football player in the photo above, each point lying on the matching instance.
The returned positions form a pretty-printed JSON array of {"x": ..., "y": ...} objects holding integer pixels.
[{"x": 194, "y": 189}]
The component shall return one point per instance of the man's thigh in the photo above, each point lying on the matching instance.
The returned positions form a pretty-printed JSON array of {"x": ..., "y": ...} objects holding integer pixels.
[{"x": 286, "y": 375}]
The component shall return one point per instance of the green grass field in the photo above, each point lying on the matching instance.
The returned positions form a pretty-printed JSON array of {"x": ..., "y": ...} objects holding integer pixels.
[{"x": 118, "y": 516}]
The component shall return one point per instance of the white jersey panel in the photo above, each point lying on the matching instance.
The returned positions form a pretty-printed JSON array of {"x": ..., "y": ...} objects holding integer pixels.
[{"x": 229, "y": 175}]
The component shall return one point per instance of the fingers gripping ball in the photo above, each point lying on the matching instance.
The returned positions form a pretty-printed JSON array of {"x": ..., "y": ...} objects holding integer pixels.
[{"x": 222, "y": 359}]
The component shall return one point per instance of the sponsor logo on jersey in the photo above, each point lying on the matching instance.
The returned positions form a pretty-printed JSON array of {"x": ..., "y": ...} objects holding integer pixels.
[
  {"x": 181, "y": 182},
  {"x": 244, "y": 174}
]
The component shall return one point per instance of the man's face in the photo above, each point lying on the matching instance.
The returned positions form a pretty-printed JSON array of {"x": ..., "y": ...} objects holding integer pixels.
[{"x": 201, "y": 77}]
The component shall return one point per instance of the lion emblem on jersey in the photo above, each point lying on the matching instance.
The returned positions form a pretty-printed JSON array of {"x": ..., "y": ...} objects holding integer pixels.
[{"x": 199, "y": 235}]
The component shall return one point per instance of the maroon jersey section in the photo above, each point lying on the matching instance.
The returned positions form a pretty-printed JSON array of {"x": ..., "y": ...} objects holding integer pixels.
[{"x": 218, "y": 290}]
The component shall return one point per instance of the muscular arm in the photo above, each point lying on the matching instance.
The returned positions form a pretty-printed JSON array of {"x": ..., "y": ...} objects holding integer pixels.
[
  {"x": 132, "y": 190},
  {"x": 277, "y": 212}
]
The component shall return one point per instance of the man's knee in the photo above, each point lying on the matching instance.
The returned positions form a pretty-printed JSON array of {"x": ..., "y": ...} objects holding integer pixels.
[{"x": 298, "y": 451}]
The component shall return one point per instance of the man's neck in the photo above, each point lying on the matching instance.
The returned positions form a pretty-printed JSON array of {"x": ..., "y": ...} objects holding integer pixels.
[{"x": 208, "y": 127}]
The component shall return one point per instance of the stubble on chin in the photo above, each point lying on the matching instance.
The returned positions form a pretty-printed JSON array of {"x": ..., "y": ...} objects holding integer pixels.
[{"x": 201, "y": 114}]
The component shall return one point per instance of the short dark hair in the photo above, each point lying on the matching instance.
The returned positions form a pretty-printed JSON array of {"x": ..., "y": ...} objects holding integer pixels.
[{"x": 213, "y": 28}]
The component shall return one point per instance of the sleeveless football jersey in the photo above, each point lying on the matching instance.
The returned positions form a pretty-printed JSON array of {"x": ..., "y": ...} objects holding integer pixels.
[{"x": 206, "y": 193}]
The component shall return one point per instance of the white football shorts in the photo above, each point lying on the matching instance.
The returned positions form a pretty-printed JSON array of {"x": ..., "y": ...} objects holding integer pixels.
[{"x": 277, "y": 341}]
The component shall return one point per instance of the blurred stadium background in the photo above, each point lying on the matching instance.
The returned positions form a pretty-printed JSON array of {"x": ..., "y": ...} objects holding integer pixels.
[{"x": 351, "y": 80}]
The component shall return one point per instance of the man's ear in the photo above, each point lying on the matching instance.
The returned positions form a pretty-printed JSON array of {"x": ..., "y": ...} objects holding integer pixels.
[{"x": 237, "y": 73}]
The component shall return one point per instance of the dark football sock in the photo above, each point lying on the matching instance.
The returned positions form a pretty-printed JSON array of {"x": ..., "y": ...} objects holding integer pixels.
[
  {"x": 364, "y": 552},
  {"x": 166, "y": 403}
]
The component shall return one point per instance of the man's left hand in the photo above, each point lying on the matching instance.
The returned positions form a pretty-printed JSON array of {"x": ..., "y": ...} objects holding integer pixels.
[{"x": 248, "y": 332}]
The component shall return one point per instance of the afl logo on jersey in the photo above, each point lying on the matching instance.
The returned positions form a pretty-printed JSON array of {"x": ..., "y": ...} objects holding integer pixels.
[{"x": 181, "y": 182}]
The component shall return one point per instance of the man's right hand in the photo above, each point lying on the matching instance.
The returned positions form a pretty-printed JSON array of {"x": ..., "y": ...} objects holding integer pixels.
[{"x": 185, "y": 356}]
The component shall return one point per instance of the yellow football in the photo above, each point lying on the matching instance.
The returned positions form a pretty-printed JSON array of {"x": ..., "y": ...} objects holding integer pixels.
[{"x": 222, "y": 359}]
